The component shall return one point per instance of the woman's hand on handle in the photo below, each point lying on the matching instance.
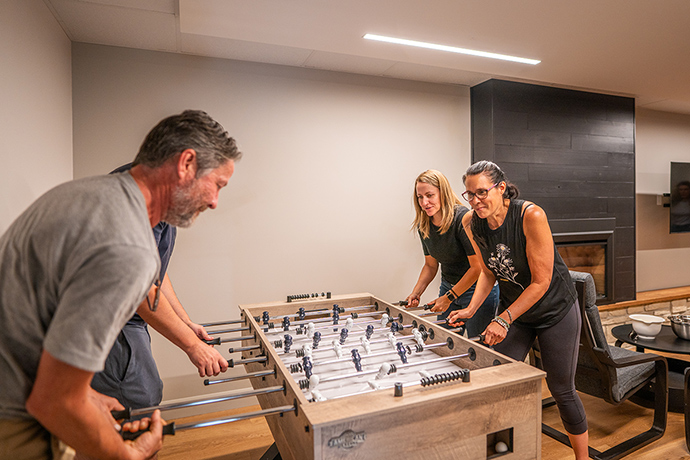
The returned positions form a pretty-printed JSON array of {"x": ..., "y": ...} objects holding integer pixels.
[
  {"x": 412, "y": 301},
  {"x": 494, "y": 333},
  {"x": 440, "y": 305}
]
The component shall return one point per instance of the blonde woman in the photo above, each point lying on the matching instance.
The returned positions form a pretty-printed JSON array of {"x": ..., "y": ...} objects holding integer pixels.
[{"x": 438, "y": 221}]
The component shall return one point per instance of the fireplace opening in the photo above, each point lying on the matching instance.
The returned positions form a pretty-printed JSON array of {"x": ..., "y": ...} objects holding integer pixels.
[
  {"x": 587, "y": 245},
  {"x": 590, "y": 258}
]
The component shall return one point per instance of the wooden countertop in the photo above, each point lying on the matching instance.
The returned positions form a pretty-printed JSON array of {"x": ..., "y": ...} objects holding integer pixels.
[{"x": 647, "y": 297}]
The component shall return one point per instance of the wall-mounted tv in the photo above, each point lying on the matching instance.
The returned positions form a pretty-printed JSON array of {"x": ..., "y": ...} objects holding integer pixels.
[{"x": 680, "y": 197}]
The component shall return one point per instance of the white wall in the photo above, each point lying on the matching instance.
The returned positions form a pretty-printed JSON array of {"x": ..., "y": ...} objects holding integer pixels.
[
  {"x": 661, "y": 138},
  {"x": 36, "y": 115},
  {"x": 321, "y": 201}
]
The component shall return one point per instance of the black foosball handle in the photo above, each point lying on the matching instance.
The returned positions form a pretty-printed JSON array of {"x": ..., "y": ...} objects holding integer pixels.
[
  {"x": 215, "y": 341},
  {"x": 124, "y": 414},
  {"x": 132, "y": 435}
]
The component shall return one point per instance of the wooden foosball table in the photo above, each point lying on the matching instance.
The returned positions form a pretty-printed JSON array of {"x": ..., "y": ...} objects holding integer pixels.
[{"x": 394, "y": 384}]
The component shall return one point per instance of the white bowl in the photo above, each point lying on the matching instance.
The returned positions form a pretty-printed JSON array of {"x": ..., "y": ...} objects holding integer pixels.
[{"x": 646, "y": 326}]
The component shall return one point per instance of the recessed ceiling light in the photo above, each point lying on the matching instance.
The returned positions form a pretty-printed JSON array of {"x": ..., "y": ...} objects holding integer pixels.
[{"x": 451, "y": 49}]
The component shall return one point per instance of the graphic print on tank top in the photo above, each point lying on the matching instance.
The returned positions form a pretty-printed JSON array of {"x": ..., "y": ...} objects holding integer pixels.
[{"x": 502, "y": 265}]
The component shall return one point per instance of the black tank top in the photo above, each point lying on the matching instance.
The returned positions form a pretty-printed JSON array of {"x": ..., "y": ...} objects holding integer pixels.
[{"x": 506, "y": 256}]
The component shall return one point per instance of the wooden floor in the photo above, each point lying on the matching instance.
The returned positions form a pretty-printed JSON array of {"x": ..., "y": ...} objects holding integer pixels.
[{"x": 608, "y": 425}]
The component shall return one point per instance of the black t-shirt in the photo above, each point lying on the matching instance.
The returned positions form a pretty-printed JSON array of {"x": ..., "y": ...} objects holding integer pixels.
[
  {"x": 450, "y": 249},
  {"x": 506, "y": 256}
]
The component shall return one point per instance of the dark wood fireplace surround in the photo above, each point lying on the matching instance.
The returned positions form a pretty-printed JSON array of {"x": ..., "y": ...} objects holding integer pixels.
[{"x": 573, "y": 153}]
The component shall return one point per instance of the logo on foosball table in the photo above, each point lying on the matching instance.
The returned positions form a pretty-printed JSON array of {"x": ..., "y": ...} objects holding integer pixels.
[{"x": 348, "y": 439}]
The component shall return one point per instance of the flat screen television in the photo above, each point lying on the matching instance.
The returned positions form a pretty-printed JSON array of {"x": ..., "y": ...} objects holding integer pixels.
[{"x": 680, "y": 198}]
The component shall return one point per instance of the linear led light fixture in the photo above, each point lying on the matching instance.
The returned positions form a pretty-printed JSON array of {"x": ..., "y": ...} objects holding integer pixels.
[{"x": 451, "y": 49}]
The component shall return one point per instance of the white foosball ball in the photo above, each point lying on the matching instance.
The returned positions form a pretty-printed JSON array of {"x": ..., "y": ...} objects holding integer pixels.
[{"x": 371, "y": 380}]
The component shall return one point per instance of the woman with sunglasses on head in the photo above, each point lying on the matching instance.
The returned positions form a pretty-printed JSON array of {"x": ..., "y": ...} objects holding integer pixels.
[
  {"x": 438, "y": 220},
  {"x": 538, "y": 298}
]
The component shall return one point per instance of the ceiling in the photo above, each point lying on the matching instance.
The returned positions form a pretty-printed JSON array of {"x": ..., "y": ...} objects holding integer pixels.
[{"x": 635, "y": 48}]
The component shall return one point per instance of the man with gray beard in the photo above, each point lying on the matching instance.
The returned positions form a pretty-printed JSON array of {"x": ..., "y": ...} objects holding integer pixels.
[
  {"x": 73, "y": 269},
  {"x": 139, "y": 385}
]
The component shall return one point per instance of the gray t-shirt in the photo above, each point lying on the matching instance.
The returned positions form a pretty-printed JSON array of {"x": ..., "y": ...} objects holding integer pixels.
[{"x": 73, "y": 268}]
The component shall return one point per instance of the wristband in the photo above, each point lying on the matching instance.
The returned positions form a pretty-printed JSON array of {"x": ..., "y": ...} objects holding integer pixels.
[
  {"x": 502, "y": 322},
  {"x": 451, "y": 295}
]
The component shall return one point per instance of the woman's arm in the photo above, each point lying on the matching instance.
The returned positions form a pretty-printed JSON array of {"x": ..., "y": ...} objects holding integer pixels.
[
  {"x": 425, "y": 277},
  {"x": 468, "y": 279},
  {"x": 485, "y": 279}
]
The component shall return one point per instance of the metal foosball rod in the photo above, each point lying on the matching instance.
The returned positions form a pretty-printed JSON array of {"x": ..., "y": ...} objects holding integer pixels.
[
  {"x": 237, "y": 339},
  {"x": 307, "y": 330},
  {"x": 248, "y": 375},
  {"x": 302, "y": 313},
  {"x": 342, "y": 336},
  {"x": 418, "y": 336},
  {"x": 385, "y": 369},
  {"x": 247, "y": 348},
  {"x": 386, "y": 322},
  {"x": 308, "y": 350},
  {"x": 219, "y": 340},
  {"x": 443, "y": 322},
  {"x": 229, "y": 331},
  {"x": 334, "y": 319},
  {"x": 129, "y": 413},
  {"x": 237, "y": 362},
  {"x": 426, "y": 380},
  {"x": 171, "y": 428},
  {"x": 333, "y": 322},
  {"x": 223, "y": 323},
  {"x": 310, "y": 326},
  {"x": 401, "y": 350}
]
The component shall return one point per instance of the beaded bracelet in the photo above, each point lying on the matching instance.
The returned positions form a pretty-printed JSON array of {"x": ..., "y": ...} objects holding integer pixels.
[
  {"x": 510, "y": 315},
  {"x": 502, "y": 322}
]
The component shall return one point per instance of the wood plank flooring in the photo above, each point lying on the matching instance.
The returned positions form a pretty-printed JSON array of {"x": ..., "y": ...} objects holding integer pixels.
[{"x": 608, "y": 425}]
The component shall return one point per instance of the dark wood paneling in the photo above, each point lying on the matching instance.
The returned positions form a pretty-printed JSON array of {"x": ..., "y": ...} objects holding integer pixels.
[
  {"x": 563, "y": 156},
  {"x": 624, "y": 283},
  {"x": 582, "y": 189},
  {"x": 483, "y": 125},
  {"x": 625, "y": 264},
  {"x": 533, "y": 138},
  {"x": 571, "y": 152},
  {"x": 571, "y": 208},
  {"x": 625, "y": 237},
  {"x": 621, "y": 160},
  {"x": 579, "y": 173},
  {"x": 603, "y": 143},
  {"x": 620, "y": 207}
]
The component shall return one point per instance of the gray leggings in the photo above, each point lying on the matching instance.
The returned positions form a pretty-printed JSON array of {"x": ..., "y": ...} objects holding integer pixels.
[{"x": 559, "y": 346}]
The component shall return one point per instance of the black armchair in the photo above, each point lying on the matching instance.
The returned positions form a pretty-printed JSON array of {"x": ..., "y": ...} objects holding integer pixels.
[{"x": 615, "y": 374}]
